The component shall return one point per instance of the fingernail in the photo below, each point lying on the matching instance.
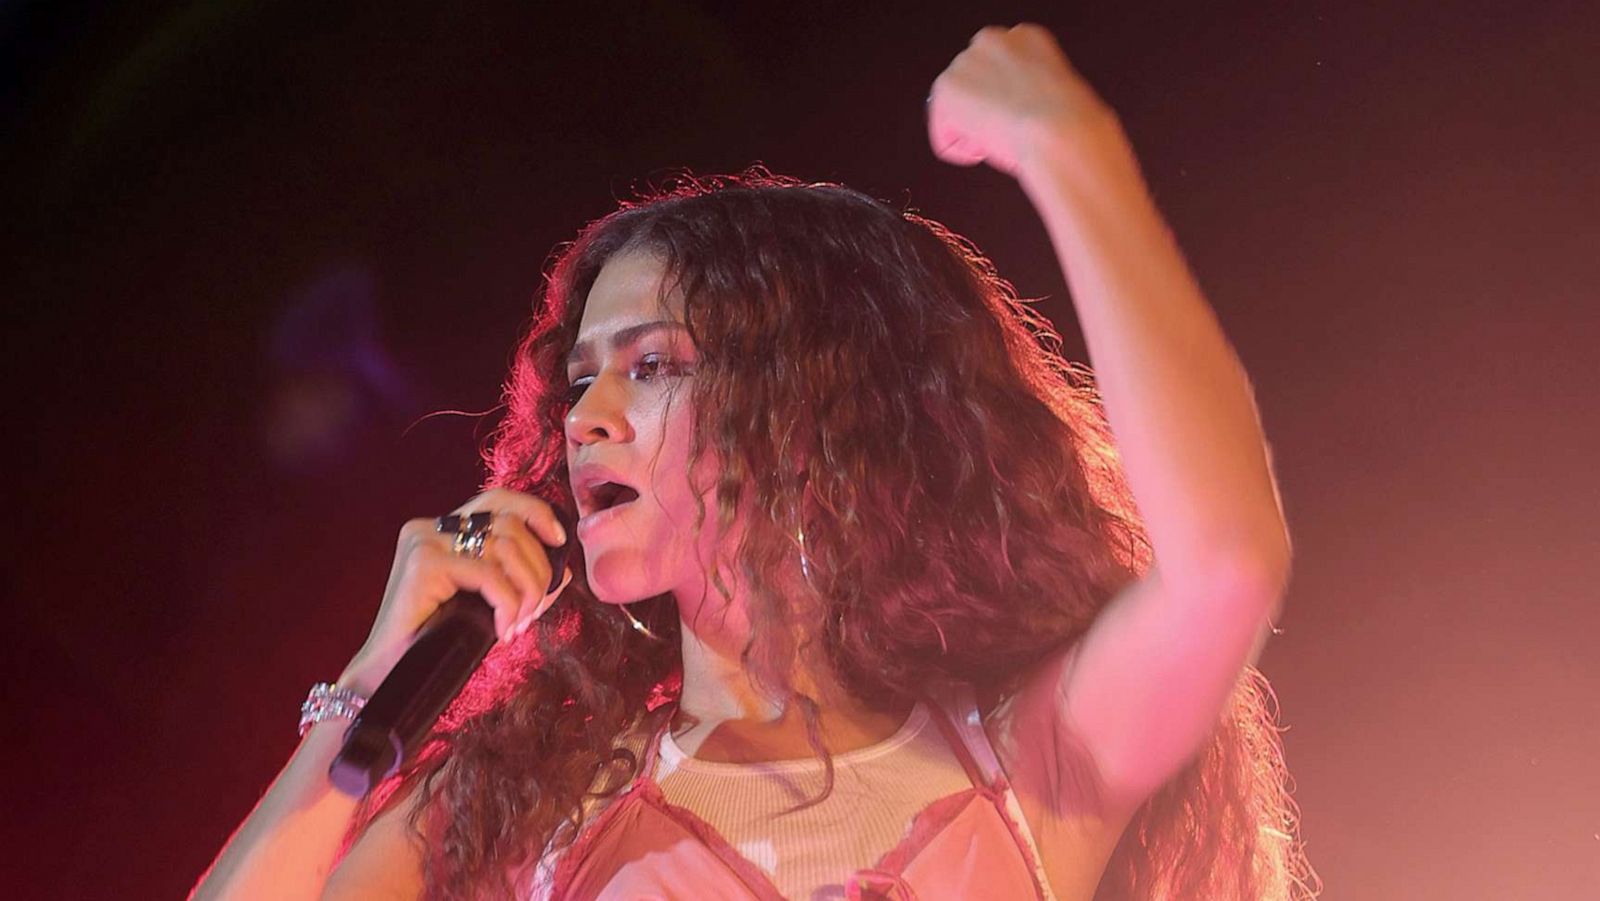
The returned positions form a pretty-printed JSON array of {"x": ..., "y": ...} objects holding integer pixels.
[
  {"x": 523, "y": 627},
  {"x": 561, "y": 530}
]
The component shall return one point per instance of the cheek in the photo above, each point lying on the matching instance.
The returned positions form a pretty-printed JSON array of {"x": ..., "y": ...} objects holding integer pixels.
[
  {"x": 658, "y": 548},
  {"x": 686, "y": 488},
  {"x": 664, "y": 449}
]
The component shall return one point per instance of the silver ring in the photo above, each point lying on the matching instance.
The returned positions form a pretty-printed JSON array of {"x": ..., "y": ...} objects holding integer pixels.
[{"x": 469, "y": 533}]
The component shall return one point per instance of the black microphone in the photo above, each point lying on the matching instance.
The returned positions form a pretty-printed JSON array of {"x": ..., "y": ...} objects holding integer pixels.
[{"x": 430, "y": 674}]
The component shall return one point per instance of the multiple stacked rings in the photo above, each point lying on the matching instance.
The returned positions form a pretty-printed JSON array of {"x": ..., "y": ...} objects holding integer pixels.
[{"x": 470, "y": 532}]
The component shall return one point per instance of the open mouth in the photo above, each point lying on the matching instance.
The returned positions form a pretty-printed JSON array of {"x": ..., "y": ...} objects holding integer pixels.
[{"x": 607, "y": 495}]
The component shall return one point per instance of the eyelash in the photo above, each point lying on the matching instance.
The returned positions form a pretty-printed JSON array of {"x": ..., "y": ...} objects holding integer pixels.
[{"x": 664, "y": 365}]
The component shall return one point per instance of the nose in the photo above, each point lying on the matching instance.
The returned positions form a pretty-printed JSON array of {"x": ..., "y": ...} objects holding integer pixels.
[{"x": 599, "y": 415}]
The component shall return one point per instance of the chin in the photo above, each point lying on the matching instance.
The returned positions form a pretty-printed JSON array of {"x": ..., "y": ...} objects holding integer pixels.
[{"x": 620, "y": 581}]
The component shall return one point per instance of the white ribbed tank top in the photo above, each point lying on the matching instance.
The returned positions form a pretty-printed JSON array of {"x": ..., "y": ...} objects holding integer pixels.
[{"x": 809, "y": 853}]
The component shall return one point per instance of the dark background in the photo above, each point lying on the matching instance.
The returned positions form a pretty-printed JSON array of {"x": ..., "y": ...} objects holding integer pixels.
[{"x": 249, "y": 245}]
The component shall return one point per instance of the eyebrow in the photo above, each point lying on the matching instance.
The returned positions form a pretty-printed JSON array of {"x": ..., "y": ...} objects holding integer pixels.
[{"x": 583, "y": 351}]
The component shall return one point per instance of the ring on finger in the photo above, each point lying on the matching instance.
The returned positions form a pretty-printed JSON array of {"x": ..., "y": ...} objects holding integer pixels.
[{"x": 469, "y": 533}]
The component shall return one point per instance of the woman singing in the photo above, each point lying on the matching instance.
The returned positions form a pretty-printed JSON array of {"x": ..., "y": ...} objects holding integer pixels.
[{"x": 860, "y": 604}]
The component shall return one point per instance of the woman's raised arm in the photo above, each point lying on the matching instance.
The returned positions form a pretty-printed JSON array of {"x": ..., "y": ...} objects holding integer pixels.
[{"x": 1144, "y": 688}]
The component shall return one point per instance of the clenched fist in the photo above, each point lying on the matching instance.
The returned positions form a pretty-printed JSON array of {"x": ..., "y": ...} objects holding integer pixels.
[{"x": 1010, "y": 90}]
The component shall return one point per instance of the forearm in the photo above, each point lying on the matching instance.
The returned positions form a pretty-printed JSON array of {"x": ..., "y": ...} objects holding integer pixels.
[
  {"x": 1176, "y": 395},
  {"x": 288, "y": 845}
]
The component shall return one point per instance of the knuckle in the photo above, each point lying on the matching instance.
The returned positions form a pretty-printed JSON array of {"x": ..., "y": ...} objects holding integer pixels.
[
  {"x": 509, "y": 495},
  {"x": 986, "y": 34},
  {"x": 413, "y": 528},
  {"x": 509, "y": 523}
]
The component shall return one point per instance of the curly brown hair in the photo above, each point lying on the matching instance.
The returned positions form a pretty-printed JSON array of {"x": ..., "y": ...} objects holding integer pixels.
[{"x": 966, "y": 516}]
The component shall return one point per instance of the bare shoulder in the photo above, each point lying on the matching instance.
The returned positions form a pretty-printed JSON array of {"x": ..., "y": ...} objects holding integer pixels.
[{"x": 1057, "y": 783}]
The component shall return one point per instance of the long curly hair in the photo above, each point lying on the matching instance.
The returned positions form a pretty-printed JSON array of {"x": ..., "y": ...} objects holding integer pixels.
[{"x": 866, "y": 375}]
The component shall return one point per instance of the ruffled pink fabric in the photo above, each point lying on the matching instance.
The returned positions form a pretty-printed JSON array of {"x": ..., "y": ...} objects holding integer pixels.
[
  {"x": 879, "y": 885},
  {"x": 643, "y": 846}
]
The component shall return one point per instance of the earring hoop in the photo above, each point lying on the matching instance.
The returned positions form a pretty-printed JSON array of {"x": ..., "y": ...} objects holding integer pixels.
[
  {"x": 639, "y": 627},
  {"x": 805, "y": 561}
]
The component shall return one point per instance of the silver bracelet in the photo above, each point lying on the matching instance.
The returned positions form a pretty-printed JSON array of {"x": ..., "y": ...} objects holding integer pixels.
[{"x": 329, "y": 702}]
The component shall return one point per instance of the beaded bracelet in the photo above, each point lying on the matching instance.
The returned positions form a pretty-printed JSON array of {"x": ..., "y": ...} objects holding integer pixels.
[{"x": 329, "y": 702}]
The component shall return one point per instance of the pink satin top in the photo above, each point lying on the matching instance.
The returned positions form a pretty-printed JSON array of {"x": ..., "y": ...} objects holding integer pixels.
[{"x": 972, "y": 844}]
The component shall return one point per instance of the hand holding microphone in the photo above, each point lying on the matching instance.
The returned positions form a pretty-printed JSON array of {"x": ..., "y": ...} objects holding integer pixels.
[{"x": 487, "y": 571}]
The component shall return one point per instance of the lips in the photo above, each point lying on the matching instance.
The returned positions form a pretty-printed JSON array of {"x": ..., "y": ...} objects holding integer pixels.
[{"x": 599, "y": 489}]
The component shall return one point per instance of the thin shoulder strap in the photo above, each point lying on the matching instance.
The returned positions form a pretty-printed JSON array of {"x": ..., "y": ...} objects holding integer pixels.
[
  {"x": 962, "y": 725},
  {"x": 958, "y": 744},
  {"x": 963, "y": 728}
]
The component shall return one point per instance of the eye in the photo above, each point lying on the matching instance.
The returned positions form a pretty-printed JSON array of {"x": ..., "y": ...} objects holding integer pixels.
[
  {"x": 650, "y": 367},
  {"x": 570, "y": 397},
  {"x": 653, "y": 365}
]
